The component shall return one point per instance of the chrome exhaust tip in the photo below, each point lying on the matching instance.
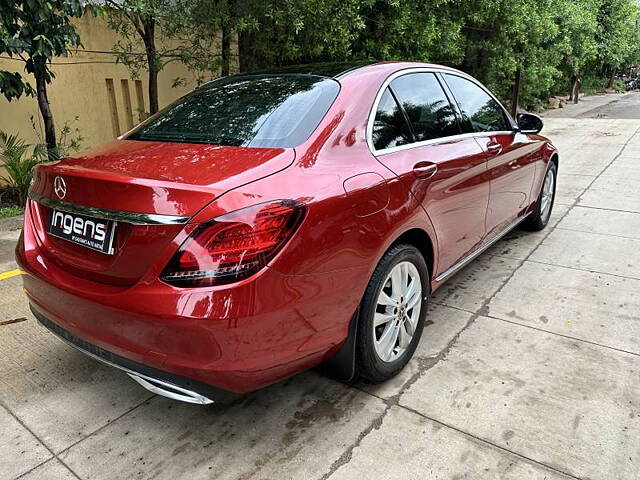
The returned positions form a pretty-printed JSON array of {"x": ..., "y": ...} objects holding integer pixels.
[{"x": 169, "y": 390}]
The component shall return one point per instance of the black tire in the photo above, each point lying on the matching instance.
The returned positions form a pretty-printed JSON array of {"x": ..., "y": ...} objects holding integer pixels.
[
  {"x": 368, "y": 363},
  {"x": 538, "y": 220}
]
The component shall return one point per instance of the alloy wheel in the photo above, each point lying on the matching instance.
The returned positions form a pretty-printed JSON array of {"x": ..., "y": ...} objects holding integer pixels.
[
  {"x": 546, "y": 200},
  {"x": 397, "y": 311}
]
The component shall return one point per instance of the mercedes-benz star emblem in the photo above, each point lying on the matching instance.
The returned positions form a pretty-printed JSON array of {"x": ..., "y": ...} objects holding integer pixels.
[{"x": 60, "y": 187}]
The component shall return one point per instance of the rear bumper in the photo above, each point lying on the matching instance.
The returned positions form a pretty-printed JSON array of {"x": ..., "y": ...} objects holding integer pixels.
[
  {"x": 157, "y": 381},
  {"x": 236, "y": 338}
]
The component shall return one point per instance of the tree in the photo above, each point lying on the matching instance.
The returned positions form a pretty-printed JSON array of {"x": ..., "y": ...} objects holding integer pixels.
[
  {"x": 521, "y": 49},
  {"x": 298, "y": 31},
  {"x": 167, "y": 33},
  {"x": 510, "y": 46},
  {"x": 281, "y": 32},
  {"x": 35, "y": 31},
  {"x": 421, "y": 30},
  {"x": 218, "y": 18},
  {"x": 617, "y": 35},
  {"x": 577, "y": 23}
]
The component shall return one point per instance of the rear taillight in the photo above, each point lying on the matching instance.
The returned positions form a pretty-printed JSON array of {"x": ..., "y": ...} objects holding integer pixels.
[{"x": 234, "y": 246}]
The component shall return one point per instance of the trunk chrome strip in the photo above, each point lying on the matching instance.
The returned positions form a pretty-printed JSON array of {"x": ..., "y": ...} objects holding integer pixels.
[
  {"x": 133, "y": 218},
  {"x": 466, "y": 259}
]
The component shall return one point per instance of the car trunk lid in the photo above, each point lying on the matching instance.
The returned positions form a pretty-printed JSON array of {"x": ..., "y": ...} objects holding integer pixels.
[{"x": 165, "y": 183}]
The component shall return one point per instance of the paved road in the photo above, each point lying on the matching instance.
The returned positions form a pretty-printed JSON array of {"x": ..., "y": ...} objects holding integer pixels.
[
  {"x": 628, "y": 106},
  {"x": 620, "y": 106},
  {"x": 529, "y": 368}
]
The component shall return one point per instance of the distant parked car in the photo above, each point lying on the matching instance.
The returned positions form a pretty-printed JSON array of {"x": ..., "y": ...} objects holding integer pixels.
[{"x": 267, "y": 223}]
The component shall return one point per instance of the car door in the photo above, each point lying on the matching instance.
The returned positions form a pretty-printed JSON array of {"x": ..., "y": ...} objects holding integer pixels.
[
  {"x": 416, "y": 134},
  {"x": 510, "y": 155}
]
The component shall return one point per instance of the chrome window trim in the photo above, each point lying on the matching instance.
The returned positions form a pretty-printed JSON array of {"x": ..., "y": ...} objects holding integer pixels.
[
  {"x": 434, "y": 70},
  {"x": 133, "y": 218},
  {"x": 435, "y": 141}
]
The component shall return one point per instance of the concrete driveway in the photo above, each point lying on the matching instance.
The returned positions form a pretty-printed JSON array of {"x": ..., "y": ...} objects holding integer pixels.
[{"x": 529, "y": 366}]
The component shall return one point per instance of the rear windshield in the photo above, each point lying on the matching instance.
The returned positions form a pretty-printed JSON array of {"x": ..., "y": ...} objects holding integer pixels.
[{"x": 250, "y": 111}]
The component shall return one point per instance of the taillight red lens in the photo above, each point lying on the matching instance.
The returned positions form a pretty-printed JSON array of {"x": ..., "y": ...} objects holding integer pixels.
[{"x": 234, "y": 246}]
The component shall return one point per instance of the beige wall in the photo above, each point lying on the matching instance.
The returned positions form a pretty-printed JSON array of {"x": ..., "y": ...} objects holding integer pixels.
[{"x": 80, "y": 89}]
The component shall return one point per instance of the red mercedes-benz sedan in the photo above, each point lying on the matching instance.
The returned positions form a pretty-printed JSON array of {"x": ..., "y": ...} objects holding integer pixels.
[{"x": 267, "y": 223}]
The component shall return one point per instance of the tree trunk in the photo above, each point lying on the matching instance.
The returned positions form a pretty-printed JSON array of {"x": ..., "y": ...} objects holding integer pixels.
[
  {"x": 153, "y": 90},
  {"x": 515, "y": 93},
  {"x": 248, "y": 60},
  {"x": 574, "y": 88},
  {"x": 152, "y": 63},
  {"x": 45, "y": 108},
  {"x": 226, "y": 51}
]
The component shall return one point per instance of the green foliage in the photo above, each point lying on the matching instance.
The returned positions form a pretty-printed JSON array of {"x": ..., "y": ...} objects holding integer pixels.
[
  {"x": 617, "y": 33},
  {"x": 619, "y": 86},
  {"x": 548, "y": 41},
  {"x": 153, "y": 33},
  {"x": 591, "y": 83},
  {"x": 18, "y": 159},
  {"x": 295, "y": 31},
  {"x": 70, "y": 140},
  {"x": 13, "y": 86},
  {"x": 420, "y": 30},
  {"x": 35, "y": 31},
  {"x": 578, "y": 26},
  {"x": 6, "y": 212}
]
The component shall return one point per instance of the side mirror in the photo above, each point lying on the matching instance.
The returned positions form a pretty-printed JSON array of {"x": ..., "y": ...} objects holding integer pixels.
[{"x": 529, "y": 123}]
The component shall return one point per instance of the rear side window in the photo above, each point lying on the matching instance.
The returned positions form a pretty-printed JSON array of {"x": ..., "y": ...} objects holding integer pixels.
[
  {"x": 390, "y": 127},
  {"x": 481, "y": 113},
  {"x": 429, "y": 111},
  {"x": 250, "y": 111}
]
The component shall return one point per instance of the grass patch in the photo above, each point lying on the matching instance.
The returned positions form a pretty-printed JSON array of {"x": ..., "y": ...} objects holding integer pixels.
[{"x": 11, "y": 211}]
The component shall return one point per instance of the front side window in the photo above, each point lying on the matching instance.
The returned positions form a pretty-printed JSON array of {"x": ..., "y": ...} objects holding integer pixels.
[
  {"x": 429, "y": 111},
  {"x": 250, "y": 111},
  {"x": 481, "y": 113},
  {"x": 390, "y": 128}
]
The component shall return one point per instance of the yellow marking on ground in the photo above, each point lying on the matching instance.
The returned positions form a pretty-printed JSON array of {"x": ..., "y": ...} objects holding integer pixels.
[{"x": 11, "y": 273}]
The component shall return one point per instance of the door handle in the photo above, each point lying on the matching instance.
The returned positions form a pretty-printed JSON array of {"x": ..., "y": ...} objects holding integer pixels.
[
  {"x": 494, "y": 147},
  {"x": 425, "y": 169}
]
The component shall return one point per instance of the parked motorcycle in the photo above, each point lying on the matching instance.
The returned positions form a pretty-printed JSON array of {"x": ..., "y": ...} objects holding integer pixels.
[{"x": 632, "y": 83}]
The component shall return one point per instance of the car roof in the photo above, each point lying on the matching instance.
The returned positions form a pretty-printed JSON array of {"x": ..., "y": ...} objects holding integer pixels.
[
  {"x": 338, "y": 70},
  {"x": 334, "y": 70},
  {"x": 323, "y": 69}
]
